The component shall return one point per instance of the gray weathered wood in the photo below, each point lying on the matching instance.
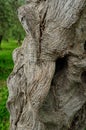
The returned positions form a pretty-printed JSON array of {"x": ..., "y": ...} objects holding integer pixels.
[{"x": 47, "y": 87}]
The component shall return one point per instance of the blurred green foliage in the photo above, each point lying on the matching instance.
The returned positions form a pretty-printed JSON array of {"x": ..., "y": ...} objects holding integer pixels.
[{"x": 10, "y": 26}]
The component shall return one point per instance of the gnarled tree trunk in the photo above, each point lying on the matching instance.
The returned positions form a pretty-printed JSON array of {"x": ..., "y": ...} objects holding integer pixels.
[{"x": 47, "y": 88}]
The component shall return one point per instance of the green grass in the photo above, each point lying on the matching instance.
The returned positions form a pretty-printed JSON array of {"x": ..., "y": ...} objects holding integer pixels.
[
  {"x": 4, "y": 115},
  {"x": 6, "y": 66},
  {"x": 6, "y": 62}
]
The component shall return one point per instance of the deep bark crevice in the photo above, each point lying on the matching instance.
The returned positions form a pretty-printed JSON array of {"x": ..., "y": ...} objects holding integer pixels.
[
  {"x": 83, "y": 77},
  {"x": 85, "y": 46},
  {"x": 61, "y": 66}
]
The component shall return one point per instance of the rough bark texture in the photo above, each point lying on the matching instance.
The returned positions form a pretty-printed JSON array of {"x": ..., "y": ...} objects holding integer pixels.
[{"x": 47, "y": 88}]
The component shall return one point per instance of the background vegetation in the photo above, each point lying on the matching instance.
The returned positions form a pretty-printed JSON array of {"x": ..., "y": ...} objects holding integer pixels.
[
  {"x": 10, "y": 26},
  {"x": 6, "y": 66},
  {"x": 11, "y": 36}
]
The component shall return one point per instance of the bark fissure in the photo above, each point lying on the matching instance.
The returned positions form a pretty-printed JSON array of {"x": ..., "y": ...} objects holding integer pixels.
[
  {"x": 19, "y": 116},
  {"x": 42, "y": 27},
  {"x": 79, "y": 119}
]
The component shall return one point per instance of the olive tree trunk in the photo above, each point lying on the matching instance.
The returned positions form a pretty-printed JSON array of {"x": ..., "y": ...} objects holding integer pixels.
[{"x": 47, "y": 88}]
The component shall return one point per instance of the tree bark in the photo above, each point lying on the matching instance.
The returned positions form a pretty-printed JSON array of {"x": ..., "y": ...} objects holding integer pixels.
[{"x": 47, "y": 88}]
